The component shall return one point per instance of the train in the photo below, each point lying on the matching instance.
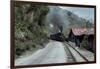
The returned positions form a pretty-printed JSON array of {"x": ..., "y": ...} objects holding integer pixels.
[{"x": 57, "y": 37}]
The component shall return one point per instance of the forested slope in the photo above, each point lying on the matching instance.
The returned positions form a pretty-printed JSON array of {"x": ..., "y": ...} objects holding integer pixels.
[{"x": 30, "y": 29}]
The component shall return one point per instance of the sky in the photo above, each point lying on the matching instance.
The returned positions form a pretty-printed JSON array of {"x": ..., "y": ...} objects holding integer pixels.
[{"x": 87, "y": 13}]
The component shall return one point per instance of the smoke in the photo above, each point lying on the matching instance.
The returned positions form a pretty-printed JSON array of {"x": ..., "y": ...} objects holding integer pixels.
[
  {"x": 56, "y": 20},
  {"x": 57, "y": 17}
]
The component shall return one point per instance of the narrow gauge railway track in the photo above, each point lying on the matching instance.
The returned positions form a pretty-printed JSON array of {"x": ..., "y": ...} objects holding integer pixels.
[{"x": 73, "y": 54}]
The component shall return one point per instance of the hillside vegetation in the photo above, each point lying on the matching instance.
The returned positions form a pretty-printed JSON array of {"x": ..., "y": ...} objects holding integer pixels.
[{"x": 30, "y": 29}]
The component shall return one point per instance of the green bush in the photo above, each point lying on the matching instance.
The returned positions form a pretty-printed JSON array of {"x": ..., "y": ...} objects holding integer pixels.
[{"x": 84, "y": 42}]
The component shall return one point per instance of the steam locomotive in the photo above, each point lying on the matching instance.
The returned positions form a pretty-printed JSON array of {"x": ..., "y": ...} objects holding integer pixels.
[{"x": 57, "y": 37}]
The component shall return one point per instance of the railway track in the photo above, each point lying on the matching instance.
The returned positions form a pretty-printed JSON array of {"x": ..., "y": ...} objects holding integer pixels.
[{"x": 73, "y": 54}]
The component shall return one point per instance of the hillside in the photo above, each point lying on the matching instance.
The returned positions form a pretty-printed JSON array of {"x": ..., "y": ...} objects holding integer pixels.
[{"x": 30, "y": 30}]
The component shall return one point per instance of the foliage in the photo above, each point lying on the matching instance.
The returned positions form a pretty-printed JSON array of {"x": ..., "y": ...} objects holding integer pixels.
[
  {"x": 84, "y": 43},
  {"x": 29, "y": 27}
]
